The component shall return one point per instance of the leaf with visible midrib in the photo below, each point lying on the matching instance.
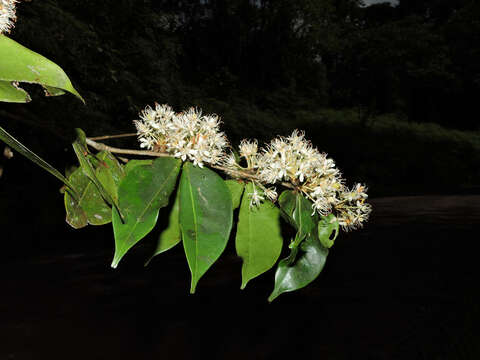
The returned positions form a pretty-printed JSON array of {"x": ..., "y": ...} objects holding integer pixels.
[
  {"x": 109, "y": 173},
  {"x": 205, "y": 218},
  {"x": 306, "y": 268},
  {"x": 307, "y": 257},
  {"x": 85, "y": 160},
  {"x": 258, "y": 240},
  {"x": 142, "y": 192},
  {"x": 90, "y": 208}
]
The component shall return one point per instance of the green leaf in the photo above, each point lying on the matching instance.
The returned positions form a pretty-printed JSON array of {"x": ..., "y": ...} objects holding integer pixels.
[
  {"x": 286, "y": 201},
  {"x": 51, "y": 91},
  {"x": 302, "y": 215},
  {"x": 131, "y": 164},
  {"x": 259, "y": 239},
  {"x": 236, "y": 190},
  {"x": 10, "y": 93},
  {"x": 82, "y": 140},
  {"x": 327, "y": 226},
  {"x": 307, "y": 267},
  {"x": 76, "y": 216},
  {"x": 205, "y": 218},
  {"x": 298, "y": 209},
  {"x": 91, "y": 208},
  {"x": 17, "y": 63},
  {"x": 141, "y": 194},
  {"x": 172, "y": 235},
  {"x": 109, "y": 172},
  {"x": 88, "y": 169}
]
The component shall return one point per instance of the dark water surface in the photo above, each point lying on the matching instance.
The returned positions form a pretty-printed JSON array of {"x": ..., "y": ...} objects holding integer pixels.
[{"x": 405, "y": 287}]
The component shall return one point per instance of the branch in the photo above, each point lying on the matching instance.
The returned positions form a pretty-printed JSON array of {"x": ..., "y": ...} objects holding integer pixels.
[{"x": 102, "y": 147}]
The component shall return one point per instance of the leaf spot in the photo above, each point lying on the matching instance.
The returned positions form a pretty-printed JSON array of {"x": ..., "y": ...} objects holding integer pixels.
[
  {"x": 201, "y": 195},
  {"x": 32, "y": 69},
  {"x": 192, "y": 234}
]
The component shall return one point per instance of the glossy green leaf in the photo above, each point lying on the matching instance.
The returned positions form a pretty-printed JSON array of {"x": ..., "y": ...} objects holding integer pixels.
[
  {"x": 205, "y": 218},
  {"x": 259, "y": 239},
  {"x": 236, "y": 190},
  {"x": 306, "y": 268},
  {"x": 91, "y": 208},
  {"x": 10, "y": 93},
  {"x": 17, "y": 63},
  {"x": 142, "y": 192},
  {"x": 327, "y": 226},
  {"x": 132, "y": 164},
  {"x": 172, "y": 235}
]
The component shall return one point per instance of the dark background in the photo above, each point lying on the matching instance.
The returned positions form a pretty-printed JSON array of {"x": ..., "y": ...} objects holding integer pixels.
[{"x": 389, "y": 92}]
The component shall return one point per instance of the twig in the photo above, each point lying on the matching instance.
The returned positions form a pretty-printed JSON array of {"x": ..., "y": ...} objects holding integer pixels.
[
  {"x": 103, "y": 147},
  {"x": 106, "y": 137}
]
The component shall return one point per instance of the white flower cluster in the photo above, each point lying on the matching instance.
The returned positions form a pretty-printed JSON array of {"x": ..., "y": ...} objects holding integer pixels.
[
  {"x": 188, "y": 135},
  {"x": 295, "y": 161},
  {"x": 7, "y": 15},
  {"x": 352, "y": 210}
]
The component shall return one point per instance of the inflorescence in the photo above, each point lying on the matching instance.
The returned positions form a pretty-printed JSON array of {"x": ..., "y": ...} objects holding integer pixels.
[
  {"x": 188, "y": 135},
  {"x": 7, "y": 15},
  {"x": 291, "y": 161}
]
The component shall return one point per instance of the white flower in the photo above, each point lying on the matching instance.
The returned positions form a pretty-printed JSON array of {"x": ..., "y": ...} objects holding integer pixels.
[
  {"x": 230, "y": 160},
  {"x": 248, "y": 148},
  {"x": 255, "y": 198},
  {"x": 271, "y": 193},
  {"x": 210, "y": 122},
  {"x": 7, "y": 15}
]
